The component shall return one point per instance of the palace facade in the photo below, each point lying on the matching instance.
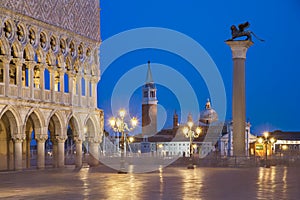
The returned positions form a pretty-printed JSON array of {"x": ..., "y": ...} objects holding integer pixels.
[{"x": 49, "y": 70}]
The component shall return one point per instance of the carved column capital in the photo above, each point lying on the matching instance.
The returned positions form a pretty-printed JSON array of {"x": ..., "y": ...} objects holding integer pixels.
[
  {"x": 5, "y": 59},
  {"x": 95, "y": 79},
  {"x": 61, "y": 138},
  {"x": 18, "y": 137},
  {"x": 51, "y": 68},
  {"x": 78, "y": 139},
  {"x": 87, "y": 77},
  {"x": 94, "y": 140},
  {"x": 239, "y": 48},
  {"x": 70, "y": 73},
  {"x": 18, "y": 61},
  {"x": 78, "y": 76},
  {"x": 30, "y": 64},
  {"x": 61, "y": 72},
  {"x": 41, "y": 137},
  {"x": 42, "y": 66}
]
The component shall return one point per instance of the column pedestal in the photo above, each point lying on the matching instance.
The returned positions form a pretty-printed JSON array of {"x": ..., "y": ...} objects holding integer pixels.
[{"x": 239, "y": 50}]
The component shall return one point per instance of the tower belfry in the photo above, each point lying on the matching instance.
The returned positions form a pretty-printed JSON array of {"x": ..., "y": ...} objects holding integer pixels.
[{"x": 149, "y": 106}]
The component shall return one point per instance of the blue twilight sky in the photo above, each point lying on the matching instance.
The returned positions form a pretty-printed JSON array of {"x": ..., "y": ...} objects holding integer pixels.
[{"x": 272, "y": 67}]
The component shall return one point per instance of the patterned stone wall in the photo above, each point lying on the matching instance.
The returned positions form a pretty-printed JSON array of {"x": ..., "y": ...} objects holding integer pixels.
[{"x": 79, "y": 16}]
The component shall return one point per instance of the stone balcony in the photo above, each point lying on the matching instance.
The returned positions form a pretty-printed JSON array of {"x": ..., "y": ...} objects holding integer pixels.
[{"x": 40, "y": 95}]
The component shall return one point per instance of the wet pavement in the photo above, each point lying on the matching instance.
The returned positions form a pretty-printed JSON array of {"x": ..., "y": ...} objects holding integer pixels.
[{"x": 167, "y": 183}]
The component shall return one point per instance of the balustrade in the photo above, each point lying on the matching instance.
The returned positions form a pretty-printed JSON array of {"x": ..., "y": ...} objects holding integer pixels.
[
  {"x": 13, "y": 91},
  {"x": 47, "y": 95},
  {"x": 1, "y": 88},
  {"x": 57, "y": 97},
  {"x": 60, "y": 98},
  {"x": 67, "y": 98},
  {"x": 26, "y": 93},
  {"x": 37, "y": 94}
]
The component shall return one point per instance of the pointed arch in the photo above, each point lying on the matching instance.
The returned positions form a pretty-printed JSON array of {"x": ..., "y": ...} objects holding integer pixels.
[
  {"x": 33, "y": 129},
  {"x": 12, "y": 114},
  {"x": 61, "y": 61},
  {"x": 37, "y": 116},
  {"x": 50, "y": 58},
  {"x": 58, "y": 114},
  {"x": 16, "y": 49},
  {"x": 77, "y": 66},
  {"x": 41, "y": 55},
  {"x": 69, "y": 63},
  {"x": 29, "y": 54},
  {"x": 4, "y": 46},
  {"x": 90, "y": 127}
]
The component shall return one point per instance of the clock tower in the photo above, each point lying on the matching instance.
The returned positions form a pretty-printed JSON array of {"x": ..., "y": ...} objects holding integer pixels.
[{"x": 149, "y": 106}]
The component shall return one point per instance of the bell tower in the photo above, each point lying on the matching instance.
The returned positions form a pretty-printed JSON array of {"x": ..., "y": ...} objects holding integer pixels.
[{"x": 149, "y": 106}]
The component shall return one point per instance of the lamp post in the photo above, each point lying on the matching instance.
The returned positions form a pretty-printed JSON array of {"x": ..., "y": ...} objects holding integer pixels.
[
  {"x": 266, "y": 140},
  {"x": 191, "y": 132},
  {"x": 119, "y": 125}
]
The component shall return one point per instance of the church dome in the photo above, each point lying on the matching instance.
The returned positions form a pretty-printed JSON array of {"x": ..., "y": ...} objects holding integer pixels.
[{"x": 208, "y": 115}]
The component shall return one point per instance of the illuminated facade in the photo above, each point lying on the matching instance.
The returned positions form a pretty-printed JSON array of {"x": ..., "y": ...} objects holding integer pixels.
[{"x": 49, "y": 70}]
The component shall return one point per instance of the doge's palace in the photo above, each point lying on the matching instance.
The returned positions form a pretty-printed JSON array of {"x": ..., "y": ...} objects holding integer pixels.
[{"x": 49, "y": 70}]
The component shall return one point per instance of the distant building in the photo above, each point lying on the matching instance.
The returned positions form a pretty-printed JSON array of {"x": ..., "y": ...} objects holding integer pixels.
[
  {"x": 287, "y": 143},
  {"x": 172, "y": 142}
]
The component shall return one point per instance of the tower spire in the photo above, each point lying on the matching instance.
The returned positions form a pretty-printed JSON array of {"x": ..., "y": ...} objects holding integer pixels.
[
  {"x": 149, "y": 78},
  {"x": 149, "y": 106}
]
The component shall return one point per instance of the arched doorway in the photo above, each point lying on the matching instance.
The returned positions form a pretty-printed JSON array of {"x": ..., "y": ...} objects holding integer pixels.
[
  {"x": 92, "y": 142},
  {"x": 5, "y": 146},
  {"x": 57, "y": 139},
  {"x": 73, "y": 143},
  {"x": 10, "y": 142},
  {"x": 31, "y": 146}
]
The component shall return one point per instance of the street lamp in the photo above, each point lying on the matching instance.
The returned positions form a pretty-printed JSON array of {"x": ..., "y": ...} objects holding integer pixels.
[
  {"x": 266, "y": 140},
  {"x": 191, "y": 132},
  {"x": 120, "y": 126}
]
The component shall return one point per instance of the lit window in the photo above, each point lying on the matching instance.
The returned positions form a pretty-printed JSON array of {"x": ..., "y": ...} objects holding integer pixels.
[{"x": 152, "y": 94}]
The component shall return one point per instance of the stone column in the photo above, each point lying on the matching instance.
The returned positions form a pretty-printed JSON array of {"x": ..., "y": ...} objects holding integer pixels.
[
  {"x": 79, "y": 81},
  {"x": 19, "y": 64},
  {"x": 30, "y": 65},
  {"x": 78, "y": 160},
  {"x": 87, "y": 89},
  {"x": 5, "y": 61},
  {"x": 42, "y": 80},
  {"x": 61, "y": 150},
  {"x": 94, "y": 82},
  {"x": 24, "y": 154},
  {"x": 11, "y": 159},
  {"x": 94, "y": 151},
  {"x": 18, "y": 139},
  {"x": 41, "y": 138},
  {"x": 239, "y": 50},
  {"x": 52, "y": 82},
  {"x": 62, "y": 85},
  {"x": 71, "y": 86},
  {"x": 54, "y": 152}
]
